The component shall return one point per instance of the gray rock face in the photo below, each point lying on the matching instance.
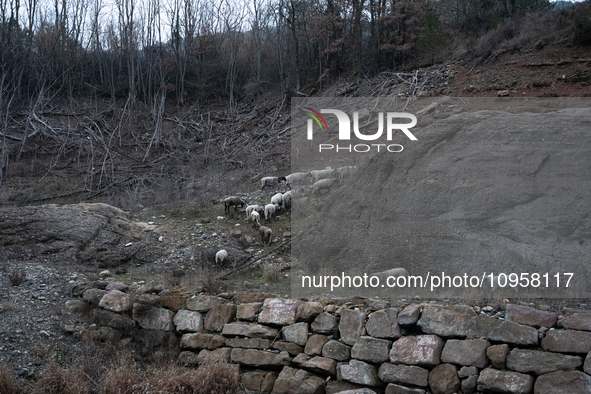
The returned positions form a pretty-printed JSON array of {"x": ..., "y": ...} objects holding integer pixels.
[
  {"x": 296, "y": 333},
  {"x": 325, "y": 323},
  {"x": 359, "y": 372},
  {"x": 424, "y": 350},
  {"x": 351, "y": 325},
  {"x": 404, "y": 374},
  {"x": 539, "y": 363},
  {"x": 383, "y": 324},
  {"x": 530, "y": 316},
  {"x": 336, "y": 350},
  {"x": 505, "y": 382},
  {"x": 491, "y": 177},
  {"x": 563, "y": 382},
  {"x": 469, "y": 352},
  {"x": 372, "y": 350},
  {"x": 298, "y": 381},
  {"x": 567, "y": 341}
]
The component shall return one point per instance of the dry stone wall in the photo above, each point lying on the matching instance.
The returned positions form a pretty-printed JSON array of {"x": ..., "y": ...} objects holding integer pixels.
[{"x": 351, "y": 345}]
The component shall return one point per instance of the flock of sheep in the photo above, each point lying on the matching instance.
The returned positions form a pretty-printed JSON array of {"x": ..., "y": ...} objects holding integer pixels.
[{"x": 319, "y": 179}]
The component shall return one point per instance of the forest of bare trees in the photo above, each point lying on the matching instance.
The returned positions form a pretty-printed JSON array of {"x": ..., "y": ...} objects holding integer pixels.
[
  {"x": 155, "y": 50},
  {"x": 114, "y": 67}
]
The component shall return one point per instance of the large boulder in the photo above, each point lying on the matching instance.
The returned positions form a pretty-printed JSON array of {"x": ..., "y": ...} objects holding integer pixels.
[
  {"x": 423, "y": 350},
  {"x": 563, "y": 382},
  {"x": 91, "y": 233},
  {"x": 279, "y": 311},
  {"x": 539, "y": 363}
]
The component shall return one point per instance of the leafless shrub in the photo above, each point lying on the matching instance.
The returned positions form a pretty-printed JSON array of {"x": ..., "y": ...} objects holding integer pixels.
[
  {"x": 496, "y": 37},
  {"x": 271, "y": 272},
  {"x": 8, "y": 383},
  {"x": 16, "y": 275},
  {"x": 58, "y": 380}
]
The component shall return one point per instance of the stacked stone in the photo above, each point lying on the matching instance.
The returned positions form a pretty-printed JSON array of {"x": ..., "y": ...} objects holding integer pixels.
[{"x": 293, "y": 346}]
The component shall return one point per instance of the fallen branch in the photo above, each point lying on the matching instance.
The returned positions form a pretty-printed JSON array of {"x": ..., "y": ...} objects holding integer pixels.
[{"x": 226, "y": 276}]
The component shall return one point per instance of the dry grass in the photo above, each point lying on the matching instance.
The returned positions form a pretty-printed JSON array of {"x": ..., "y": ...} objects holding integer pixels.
[
  {"x": 8, "y": 383},
  {"x": 58, "y": 380},
  {"x": 122, "y": 378},
  {"x": 218, "y": 378}
]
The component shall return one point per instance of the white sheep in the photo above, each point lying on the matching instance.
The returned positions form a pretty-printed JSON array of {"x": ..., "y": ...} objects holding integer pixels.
[
  {"x": 323, "y": 184},
  {"x": 255, "y": 218},
  {"x": 270, "y": 210},
  {"x": 277, "y": 199},
  {"x": 317, "y": 175},
  {"x": 220, "y": 257},
  {"x": 271, "y": 181},
  {"x": 286, "y": 200},
  {"x": 391, "y": 273},
  {"x": 249, "y": 209},
  {"x": 266, "y": 235},
  {"x": 298, "y": 179}
]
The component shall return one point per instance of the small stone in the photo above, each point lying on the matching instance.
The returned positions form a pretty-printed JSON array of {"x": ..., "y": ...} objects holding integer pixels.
[
  {"x": 336, "y": 350},
  {"x": 359, "y": 372},
  {"x": 315, "y": 344},
  {"x": 468, "y": 352},
  {"x": 370, "y": 349},
  {"x": 409, "y": 315},
  {"x": 464, "y": 372},
  {"x": 351, "y": 325},
  {"x": 325, "y": 323},
  {"x": 563, "y": 382},
  {"x": 497, "y": 355},
  {"x": 188, "y": 321},
  {"x": 404, "y": 374},
  {"x": 296, "y": 333},
  {"x": 504, "y": 382},
  {"x": 423, "y": 350},
  {"x": 218, "y": 316}
]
